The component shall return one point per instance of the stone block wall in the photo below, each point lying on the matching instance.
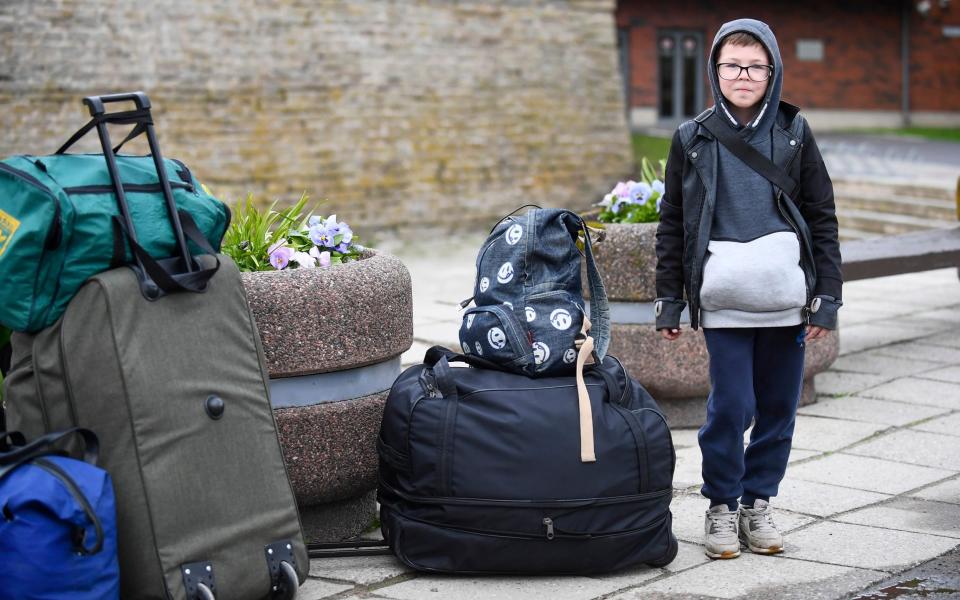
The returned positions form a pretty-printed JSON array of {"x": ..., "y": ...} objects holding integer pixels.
[{"x": 395, "y": 112}]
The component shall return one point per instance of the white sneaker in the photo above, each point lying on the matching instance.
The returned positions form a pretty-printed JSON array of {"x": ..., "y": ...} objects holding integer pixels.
[
  {"x": 720, "y": 533},
  {"x": 757, "y": 529}
]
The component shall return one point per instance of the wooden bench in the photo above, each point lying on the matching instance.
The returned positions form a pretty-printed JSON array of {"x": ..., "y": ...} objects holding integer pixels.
[{"x": 896, "y": 254}]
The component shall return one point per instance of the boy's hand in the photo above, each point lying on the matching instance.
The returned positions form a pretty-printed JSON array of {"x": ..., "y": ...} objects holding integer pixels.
[
  {"x": 670, "y": 334},
  {"x": 815, "y": 333}
]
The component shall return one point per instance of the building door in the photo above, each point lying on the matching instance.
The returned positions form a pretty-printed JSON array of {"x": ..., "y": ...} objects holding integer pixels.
[{"x": 680, "y": 57}]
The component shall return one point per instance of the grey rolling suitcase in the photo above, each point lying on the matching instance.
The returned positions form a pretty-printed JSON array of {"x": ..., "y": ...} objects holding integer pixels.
[{"x": 174, "y": 384}]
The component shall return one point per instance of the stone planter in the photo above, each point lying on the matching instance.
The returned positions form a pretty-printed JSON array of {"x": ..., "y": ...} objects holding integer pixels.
[
  {"x": 675, "y": 373},
  {"x": 332, "y": 339}
]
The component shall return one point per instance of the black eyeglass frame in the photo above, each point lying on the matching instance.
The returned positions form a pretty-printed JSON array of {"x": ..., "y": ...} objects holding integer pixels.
[{"x": 768, "y": 68}]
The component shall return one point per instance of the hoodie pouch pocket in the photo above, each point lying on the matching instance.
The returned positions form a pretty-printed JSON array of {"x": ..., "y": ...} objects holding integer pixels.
[{"x": 495, "y": 333}]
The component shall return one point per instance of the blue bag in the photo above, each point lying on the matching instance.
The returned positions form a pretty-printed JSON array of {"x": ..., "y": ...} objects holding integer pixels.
[
  {"x": 530, "y": 313},
  {"x": 58, "y": 537}
]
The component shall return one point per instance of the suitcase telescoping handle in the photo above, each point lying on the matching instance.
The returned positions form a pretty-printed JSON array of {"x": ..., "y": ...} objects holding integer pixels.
[{"x": 156, "y": 276}]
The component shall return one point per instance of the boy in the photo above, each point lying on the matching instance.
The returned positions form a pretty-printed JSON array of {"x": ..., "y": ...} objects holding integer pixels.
[{"x": 760, "y": 277}]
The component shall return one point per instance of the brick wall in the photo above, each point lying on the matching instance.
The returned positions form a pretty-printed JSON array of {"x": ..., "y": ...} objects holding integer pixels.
[
  {"x": 861, "y": 68},
  {"x": 935, "y": 60},
  {"x": 395, "y": 112}
]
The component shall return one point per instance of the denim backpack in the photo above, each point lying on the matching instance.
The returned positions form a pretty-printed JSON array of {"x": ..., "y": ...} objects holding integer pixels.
[
  {"x": 58, "y": 530},
  {"x": 529, "y": 316}
]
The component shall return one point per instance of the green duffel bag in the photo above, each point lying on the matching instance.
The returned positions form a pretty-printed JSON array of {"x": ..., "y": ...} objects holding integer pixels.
[{"x": 57, "y": 226}]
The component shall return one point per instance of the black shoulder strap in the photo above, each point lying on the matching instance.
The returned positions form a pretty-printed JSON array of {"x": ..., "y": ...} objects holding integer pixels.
[{"x": 750, "y": 155}]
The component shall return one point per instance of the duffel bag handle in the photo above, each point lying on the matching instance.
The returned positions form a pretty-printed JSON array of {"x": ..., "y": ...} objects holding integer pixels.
[
  {"x": 45, "y": 445},
  {"x": 141, "y": 118},
  {"x": 434, "y": 354}
]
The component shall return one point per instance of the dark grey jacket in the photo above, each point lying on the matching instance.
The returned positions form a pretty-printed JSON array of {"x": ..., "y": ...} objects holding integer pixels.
[{"x": 687, "y": 215}]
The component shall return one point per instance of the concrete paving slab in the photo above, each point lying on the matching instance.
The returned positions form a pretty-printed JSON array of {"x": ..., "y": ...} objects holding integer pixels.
[
  {"x": 687, "y": 472},
  {"x": 922, "y": 351},
  {"x": 822, "y": 499},
  {"x": 868, "y": 410},
  {"x": 947, "y": 491},
  {"x": 797, "y": 455},
  {"x": 918, "y": 391},
  {"x": 441, "y": 333},
  {"x": 864, "y": 336},
  {"x": 866, "y": 547},
  {"x": 914, "y": 447},
  {"x": 871, "y": 361},
  {"x": 630, "y": 577},
  {"x": 498, "y": 588},
  {"x": 688, "y": 512},
  {"x": 949, "y": 425},
  {"x": 950, "y": 339},
  {"x": 414, "y": 355},
  {"x": 855, "y": 313},
  {"x": 827, "y": 435},
  {"x": 688, "y": 555},
  {"x": 864, "y": 473},
  {"x": 363, "y": 570},
  {"x": 684, "y": 438},
  {"x": 757, "y": 577},
  {"x": 314, "y": 589},
  {"x": 949, "y": 374},
  {"x": 841, "y": 383},
  {"x": 908, "y": 514},
  {"x": 948, "y": 315}
]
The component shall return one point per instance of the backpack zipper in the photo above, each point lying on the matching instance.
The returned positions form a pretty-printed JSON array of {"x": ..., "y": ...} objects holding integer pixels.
[
  {"x": 55, "y": 231},
  {"x": 77, "y": 494}
]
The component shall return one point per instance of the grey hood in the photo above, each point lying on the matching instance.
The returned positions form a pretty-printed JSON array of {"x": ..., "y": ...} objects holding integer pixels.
[{"x": 768, "y": 109}]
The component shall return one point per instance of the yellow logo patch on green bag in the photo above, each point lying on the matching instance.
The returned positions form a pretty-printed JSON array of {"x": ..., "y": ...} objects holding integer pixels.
[{"x": 8, "y": 227}]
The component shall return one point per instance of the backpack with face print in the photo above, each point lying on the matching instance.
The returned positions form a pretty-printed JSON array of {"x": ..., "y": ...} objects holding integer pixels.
[{"x": 529, "y": 314}]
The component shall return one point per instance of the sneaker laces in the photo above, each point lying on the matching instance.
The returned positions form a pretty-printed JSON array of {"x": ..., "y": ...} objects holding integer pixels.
[
  {"x": 761, "y": 520},
  {"x": 723, "y": 522}
]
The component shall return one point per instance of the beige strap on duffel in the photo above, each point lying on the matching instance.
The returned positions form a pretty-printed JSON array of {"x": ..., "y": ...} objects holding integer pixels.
[{"x": 585, "y": 351}]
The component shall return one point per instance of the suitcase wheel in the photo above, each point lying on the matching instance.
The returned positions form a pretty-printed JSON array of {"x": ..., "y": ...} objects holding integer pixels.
[
  {"x": 204, "y": 593},
  {"x": 289, "y": 583}
]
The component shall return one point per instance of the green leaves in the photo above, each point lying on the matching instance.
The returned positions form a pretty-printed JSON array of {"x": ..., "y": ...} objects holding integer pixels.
[{"x": 253, "y": 231}]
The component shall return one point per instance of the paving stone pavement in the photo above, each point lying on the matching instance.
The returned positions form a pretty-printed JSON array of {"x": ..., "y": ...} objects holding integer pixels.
[{"x": 872, "y": 489}]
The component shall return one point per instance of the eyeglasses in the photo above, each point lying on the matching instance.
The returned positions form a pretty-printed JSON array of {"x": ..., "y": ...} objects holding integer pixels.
[{"x": 731, "y": 71}]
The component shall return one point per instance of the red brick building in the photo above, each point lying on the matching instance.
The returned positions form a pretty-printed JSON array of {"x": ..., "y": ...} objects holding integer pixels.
[{"x": 846, "y": 64}]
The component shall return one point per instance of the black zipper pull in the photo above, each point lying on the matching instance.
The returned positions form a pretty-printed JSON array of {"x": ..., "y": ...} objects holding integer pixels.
[
  {"x": 466, "y": 302},
  {"x": 548, "y": 523}
]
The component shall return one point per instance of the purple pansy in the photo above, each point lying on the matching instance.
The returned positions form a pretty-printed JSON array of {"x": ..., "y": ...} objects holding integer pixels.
[
  {"x": 280, "y": 255},
  {"x": 640, "y": 192},
  {"x": 321, "y": 235}
]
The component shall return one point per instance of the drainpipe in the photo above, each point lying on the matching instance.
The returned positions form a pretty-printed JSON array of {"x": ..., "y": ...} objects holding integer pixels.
[{"x": 905, "y": 63}]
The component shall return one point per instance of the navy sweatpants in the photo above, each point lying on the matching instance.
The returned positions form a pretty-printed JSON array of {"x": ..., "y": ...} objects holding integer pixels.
[{"x": 755, "y": 374}]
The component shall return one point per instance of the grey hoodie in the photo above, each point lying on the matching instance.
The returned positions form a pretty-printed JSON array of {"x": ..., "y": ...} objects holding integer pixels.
[{"x": 752, "y": 275}]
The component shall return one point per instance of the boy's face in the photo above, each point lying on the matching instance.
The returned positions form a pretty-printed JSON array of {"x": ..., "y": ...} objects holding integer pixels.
[{"x": 743, "y": 92}]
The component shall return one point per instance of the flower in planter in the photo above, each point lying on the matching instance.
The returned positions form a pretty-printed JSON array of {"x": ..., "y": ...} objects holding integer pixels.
[
  {"x": 271, "y": 239},
  {"x": 634, "y": 201}
]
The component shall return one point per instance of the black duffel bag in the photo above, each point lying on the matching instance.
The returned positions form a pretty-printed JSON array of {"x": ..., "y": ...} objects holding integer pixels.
[{"x": 480, "y": 471}]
